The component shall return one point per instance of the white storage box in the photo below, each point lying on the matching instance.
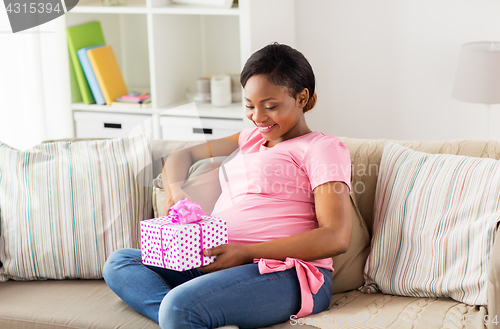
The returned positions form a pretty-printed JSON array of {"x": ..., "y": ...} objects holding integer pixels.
[
  {"x": 110, "y": 125},
  {"x": 193, "y": 128}
]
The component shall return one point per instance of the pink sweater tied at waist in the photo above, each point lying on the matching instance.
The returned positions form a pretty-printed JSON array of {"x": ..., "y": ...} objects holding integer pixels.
[{"x": 310, "y": 278}]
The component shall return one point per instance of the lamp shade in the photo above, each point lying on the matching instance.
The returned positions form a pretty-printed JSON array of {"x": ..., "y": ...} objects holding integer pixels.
[{"x": 478, "y": 74}]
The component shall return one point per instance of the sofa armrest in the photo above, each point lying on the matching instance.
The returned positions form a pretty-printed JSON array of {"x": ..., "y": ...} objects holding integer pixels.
[
  {"x": 161, "y": 149},
  {"x": 494, "y": 282}
]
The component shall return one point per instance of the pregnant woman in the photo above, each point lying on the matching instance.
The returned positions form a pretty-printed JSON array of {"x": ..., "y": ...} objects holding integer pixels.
[{"x": 285, "y": 198}]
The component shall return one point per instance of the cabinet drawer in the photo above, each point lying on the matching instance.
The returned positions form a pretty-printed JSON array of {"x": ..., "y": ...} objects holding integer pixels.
[
  {"x": 189, "y": 128},
  {"x": 109, "y": 125}
]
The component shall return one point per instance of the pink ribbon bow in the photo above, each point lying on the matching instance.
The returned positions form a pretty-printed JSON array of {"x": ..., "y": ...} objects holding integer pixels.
[
  {"x": 310, "y": 278},
  {"x": 185, "y": 212}
]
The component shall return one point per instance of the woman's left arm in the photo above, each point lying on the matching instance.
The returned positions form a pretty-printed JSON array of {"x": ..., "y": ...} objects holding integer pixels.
[{"x": 331, "y": 238}]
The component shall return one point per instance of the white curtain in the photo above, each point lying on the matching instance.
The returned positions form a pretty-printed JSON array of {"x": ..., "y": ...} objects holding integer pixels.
[{"x": 34, "y": 84}]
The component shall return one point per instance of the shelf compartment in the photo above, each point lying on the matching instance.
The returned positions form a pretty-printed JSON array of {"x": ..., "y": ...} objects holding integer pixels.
[
  {"x": 168, "y": 7},
  {"x": 178, "y": 9},
  {"x": 132, "y": 7},
  {"x": 182, "y": 108},
  {"x": 128, "y": 36},
  {"x": 111, "y": 109},
  {"x": 188, "y": 47},
  {"x": 176, "y": 49}
]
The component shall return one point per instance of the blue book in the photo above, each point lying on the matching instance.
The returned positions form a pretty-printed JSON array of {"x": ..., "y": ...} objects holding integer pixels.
[{"x": 89, "y": 74}]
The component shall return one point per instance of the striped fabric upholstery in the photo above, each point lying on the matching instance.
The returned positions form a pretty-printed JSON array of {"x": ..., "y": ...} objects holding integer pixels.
[
  {"x": 64, "y": 207},
  {"x": 435, "y": 222}
]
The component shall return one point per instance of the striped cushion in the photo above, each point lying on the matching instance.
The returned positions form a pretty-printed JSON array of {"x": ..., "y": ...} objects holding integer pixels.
[
  {"x": 435, "y": 222},
  {"x": 65, "y": 207}
]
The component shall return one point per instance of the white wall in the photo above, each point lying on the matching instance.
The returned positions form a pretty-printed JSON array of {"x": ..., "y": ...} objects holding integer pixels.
[
  {"x": 386, "y": 68},
  {"x": 32, "y": 75}
]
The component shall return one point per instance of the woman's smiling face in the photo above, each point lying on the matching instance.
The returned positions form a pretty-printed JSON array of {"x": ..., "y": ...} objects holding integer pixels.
[{"x": 271, "y": 108}]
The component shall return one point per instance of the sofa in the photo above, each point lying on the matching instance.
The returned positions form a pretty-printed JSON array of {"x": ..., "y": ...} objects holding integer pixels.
[{"x": 91, "y": 304}]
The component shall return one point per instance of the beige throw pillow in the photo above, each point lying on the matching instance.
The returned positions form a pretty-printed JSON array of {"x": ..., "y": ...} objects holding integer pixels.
[
  {"x": 65, "y": 207},
  {"x": 348, "y": 267},
  {"x": 435, "y": 222}
]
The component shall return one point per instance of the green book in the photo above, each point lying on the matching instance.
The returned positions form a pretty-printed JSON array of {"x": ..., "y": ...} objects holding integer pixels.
[{"x": 81, "y": 36}]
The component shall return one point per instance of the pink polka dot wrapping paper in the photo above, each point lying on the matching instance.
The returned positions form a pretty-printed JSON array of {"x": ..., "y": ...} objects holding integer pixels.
[{"x": 180, "y": 246}]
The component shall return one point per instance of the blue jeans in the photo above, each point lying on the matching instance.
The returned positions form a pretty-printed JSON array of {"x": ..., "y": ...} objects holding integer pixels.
[{"x": 191, "y": 299}]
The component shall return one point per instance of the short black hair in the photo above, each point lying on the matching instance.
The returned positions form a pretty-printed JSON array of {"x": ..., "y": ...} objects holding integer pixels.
[{"x": 283, "y": 66}]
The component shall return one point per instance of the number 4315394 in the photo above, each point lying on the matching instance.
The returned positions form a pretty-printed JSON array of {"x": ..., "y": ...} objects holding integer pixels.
[
  {"x": 34, "y": 7},
  {"x": 478, "y": 320}
]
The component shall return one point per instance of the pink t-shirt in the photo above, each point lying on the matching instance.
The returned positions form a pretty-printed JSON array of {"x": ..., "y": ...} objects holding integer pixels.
[{"x": 267, "y": 193}]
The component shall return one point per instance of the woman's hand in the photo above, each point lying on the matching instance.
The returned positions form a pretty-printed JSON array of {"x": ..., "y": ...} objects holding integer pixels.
[
  {"x": 228, "y": 255},
  {"x": 172, "y": 198}
]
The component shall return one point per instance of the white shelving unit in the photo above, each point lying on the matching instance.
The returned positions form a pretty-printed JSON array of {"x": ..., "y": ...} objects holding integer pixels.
[{"x": 164, "y": 47}]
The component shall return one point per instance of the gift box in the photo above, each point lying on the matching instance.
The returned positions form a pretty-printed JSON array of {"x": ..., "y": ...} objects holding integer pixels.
[{"x": 176, "y": 241}]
